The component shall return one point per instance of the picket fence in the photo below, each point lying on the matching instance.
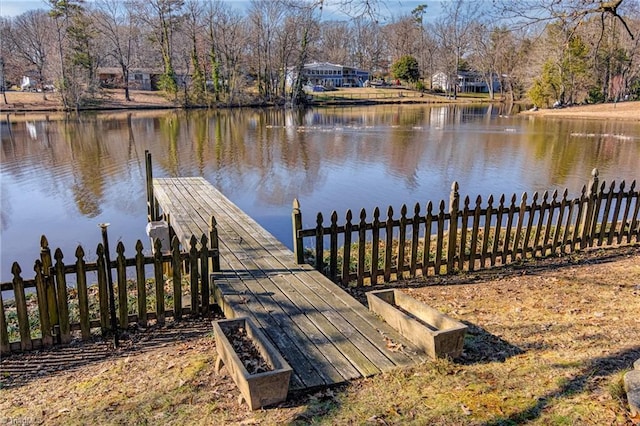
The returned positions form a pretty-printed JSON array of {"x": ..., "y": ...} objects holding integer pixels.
[
  {"x": 467, "y": 238},
  {"x": 46, "y": 319}
]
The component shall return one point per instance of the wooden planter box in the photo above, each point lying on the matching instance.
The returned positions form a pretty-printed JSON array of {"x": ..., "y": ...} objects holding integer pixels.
[
  {"x": 429, "y": 329},
  {"x": 260, "y": 389}
]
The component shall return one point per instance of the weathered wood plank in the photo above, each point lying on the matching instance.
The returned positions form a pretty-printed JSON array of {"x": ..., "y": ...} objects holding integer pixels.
[
  {"x": 276, "y": 246},
  {"x": 266, "y": 261},
  {"x": 326, "y": 335}
]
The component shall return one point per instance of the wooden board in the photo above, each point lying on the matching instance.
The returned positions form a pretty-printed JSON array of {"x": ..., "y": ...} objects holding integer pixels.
[{"x": 326, "y": 335}]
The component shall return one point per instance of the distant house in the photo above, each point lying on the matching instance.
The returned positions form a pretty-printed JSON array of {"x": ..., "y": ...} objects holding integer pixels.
[
  {"x": 30, "y": 82},
  {"x": 139, "y": 78},
  {"x": 329, "y": 75},
  {"x": 467, "y": 82}
]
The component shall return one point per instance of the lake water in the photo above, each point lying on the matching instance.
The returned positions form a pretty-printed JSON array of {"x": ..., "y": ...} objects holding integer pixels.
[{"x": 62, "y": 176}]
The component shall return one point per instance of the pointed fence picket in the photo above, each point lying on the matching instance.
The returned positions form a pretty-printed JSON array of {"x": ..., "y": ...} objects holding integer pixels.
[
  {"x": 469, "y": 235},
  {"x": 45, "y": 319}
]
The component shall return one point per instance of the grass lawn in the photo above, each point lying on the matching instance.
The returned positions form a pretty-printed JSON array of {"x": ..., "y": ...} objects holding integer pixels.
[{"x": 548, "y": 344}]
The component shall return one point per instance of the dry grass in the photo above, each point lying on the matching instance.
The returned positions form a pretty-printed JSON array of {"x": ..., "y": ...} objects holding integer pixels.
[
  {"x": 613, "y": 111},
  {"x": 548, "y": 344},
  {"x": 108, "y": 99}
]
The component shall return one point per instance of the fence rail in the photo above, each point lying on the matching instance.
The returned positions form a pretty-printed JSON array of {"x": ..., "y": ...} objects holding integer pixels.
[
  {"x": 49, "y": 315},
  {"x": 467, "y": 237}
]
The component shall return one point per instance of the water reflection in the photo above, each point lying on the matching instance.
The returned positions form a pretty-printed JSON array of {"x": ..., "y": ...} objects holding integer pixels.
[{"x": 61, "y": 176}]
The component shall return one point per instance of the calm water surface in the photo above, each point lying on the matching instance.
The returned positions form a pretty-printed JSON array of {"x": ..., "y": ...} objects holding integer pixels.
[{"x": 61, "y": 177}]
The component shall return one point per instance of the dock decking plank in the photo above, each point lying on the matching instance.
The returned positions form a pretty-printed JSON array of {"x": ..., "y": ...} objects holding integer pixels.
[
  {"x": 355, "y": 313},
  {"x": 331, "y": 344},
  {"x": 373, "y": 359},
  {"x": 326, "y": 335}
]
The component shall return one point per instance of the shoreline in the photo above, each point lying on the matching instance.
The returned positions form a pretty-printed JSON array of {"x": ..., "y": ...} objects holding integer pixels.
[
  {"x": 29, "y": 102},
  {"x": 623, "y": 111}
]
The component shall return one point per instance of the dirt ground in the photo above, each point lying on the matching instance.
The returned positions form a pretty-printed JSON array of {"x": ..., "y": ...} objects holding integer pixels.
[
  {"x": 548, "y": 343},
  {"x": 110, "y": 99}
]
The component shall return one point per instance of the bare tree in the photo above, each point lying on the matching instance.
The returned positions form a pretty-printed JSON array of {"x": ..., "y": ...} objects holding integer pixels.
[
  {"x": 454, "y": 30},
  {"x": 572, "y": 12},
  {"x": 402, "y": 37},
  {"x": 30, "y": 35},
  {"x": 194, "y": 26},
  {"x": 115, "y": 21},
  {"x": 163, "y": 17},
  {"x": 335, "y": 38},
  {"x": 370, "y": 50}
]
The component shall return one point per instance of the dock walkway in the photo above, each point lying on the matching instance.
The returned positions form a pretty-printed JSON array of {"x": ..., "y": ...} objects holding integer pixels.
[{"x": 326, "y": 335}]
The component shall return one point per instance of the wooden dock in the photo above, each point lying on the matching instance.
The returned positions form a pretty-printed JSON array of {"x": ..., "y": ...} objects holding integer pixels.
[{"x": 326, "y": 335}]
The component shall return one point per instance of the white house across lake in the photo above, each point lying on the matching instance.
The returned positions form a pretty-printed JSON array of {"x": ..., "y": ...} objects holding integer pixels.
[{"x": 329, "y": 75}]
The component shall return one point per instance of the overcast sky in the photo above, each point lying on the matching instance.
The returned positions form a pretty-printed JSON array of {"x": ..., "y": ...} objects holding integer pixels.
[{"x": 389, "y": 8}]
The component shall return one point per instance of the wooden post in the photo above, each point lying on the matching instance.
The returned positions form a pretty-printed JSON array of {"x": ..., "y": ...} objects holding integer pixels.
[
  {"x": 52, "y": 303},
  {"x": 402, "y": 238},
  {"x": 214, "y": 245},
  {"x": 296, "y": 219},
  {"x": 333, "y": 248},
  {"x": 439, "y": 240},
  {"x": 112, "y": 302},
  {"x": 204, "y": 275},
  {"x": 103, "y": 291},
  {"x": 83, "y": 298},
  {"x": 193, "y": 274},
  {"x": 346, "y": 253},
  {"x": 415, "y": 234},
  {"x": 454, "y": 206},
  {"x": 388, "y": 249},
  {"x": 375, "y": 246},
  {"x": 362, "y": 244},
  {"x": 151, "y": 210},
  {"x": 464, "y": 225},
  {"x": 63, "y": 301},
  {"x": 43, "y": 311},
  {"x": 587, "y": 220},
  {"x": 141, "y": 285},
  {"x": 319, "y": 257},
  {"x": 157, "y": 269},
  {"x": 176, "y": 278},
  {"x": 21, "y": 308},
  {"x": 123, "y": 297}
]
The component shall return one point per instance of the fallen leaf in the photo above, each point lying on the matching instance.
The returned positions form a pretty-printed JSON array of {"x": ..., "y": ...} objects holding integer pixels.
[{"x": 465, "y": 410}]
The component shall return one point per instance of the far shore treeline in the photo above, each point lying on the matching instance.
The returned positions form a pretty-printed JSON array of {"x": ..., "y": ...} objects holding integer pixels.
[{"x": 209, "y": 53}]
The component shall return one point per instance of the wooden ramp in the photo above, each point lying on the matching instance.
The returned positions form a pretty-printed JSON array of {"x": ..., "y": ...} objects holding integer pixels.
[{"x": 326, "y": 335}]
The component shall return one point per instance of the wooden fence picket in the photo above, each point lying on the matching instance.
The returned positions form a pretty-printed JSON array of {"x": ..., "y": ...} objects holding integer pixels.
[
  {"x": 103, "y": 290},
  {"x": 204, "y": 268},
  {"x": 121, "y": 279},
  {"x": 141, "y": 285},
  {"x": 83, "y": 299},
  {"x": 176, "y": 277},
  {"x": 193, "y": 274},
  {"x": 43, "y": 313},
  {"x": 21, "y": 308},
  {"x": 47, "y": 264},
  {"x": 63, "y": 298},
  {"x": 159, "y": 281}
]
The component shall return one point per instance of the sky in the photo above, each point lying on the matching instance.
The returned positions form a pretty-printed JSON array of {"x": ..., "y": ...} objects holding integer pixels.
[{"x": 390, "y": 8}]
